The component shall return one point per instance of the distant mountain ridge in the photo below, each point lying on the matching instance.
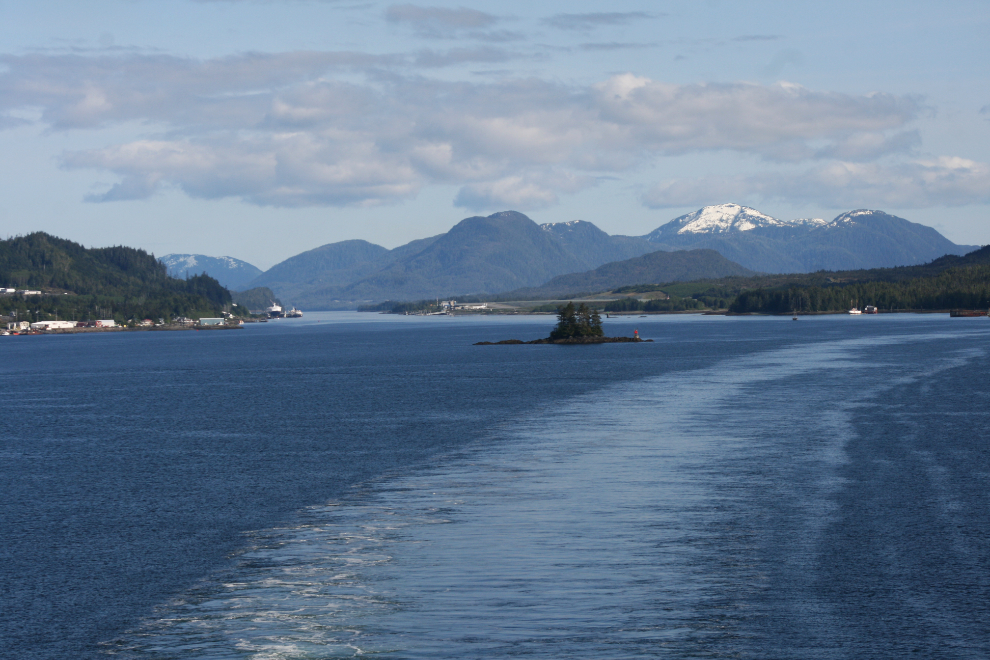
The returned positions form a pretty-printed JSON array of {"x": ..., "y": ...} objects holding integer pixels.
[
  {"x": 594, "y": 246},
  {"x": 853, "y": 240},
  {"x": 652, "y": 268},
  {"x": 508, "y": 251},
  {"x": 722, "y": 219},
  {"x": 479, "y": 255},
  {"x": 230, "y": 272},
  {"x": 332, "y": 265}
]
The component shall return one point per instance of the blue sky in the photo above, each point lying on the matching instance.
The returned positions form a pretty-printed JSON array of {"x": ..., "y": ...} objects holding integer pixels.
[{"x": 259, "y": 129}]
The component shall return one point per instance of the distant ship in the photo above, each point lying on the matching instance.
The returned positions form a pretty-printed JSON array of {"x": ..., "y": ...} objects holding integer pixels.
[
  {"x": 294, "y": 313},
  {"x": 870, "y": 309},
  {"x": 275, "y": 311},
  {"x": 855, "y": 310}
]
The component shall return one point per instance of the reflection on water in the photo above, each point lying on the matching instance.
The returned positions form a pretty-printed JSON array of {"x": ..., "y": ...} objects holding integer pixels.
[{"x": 682, "y": 516}]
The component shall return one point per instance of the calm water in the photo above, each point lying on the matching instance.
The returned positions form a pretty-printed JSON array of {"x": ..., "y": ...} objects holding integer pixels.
[{"x": 351, "y": 484}]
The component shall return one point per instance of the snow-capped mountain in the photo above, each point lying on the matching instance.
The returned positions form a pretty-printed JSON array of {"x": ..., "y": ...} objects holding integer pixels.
[
  {"x": 724, "y": 218},
  {"x": 230, "y": 272},
  {"x": 856, "y": 239}
]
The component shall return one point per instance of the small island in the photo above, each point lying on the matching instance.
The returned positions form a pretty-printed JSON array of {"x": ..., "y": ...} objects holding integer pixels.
[{"x": 575, "y": 325}]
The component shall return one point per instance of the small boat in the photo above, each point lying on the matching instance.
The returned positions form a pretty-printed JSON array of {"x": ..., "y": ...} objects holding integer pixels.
[
  {"x": 855, "y": 311},
  {"x": 870, "y": 309},
  {"x": 794, "y": 318},
  {"x": 963, "y": 313},
  {"x": 642, "y": 316}
]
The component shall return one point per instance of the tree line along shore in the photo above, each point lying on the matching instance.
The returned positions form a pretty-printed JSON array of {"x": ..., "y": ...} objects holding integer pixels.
[{"x": 45, "y": 278}]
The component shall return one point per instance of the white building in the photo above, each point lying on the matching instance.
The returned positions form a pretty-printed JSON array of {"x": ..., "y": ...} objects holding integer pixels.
[
  {"x": 106, "y": 323},
  {"x": 52, "y": 325}
]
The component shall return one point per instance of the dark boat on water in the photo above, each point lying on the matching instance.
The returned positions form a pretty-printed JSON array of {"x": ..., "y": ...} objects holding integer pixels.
[{"x": 967, "y": 312}]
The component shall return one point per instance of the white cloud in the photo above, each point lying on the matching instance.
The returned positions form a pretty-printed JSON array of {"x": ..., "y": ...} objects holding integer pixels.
[
  {"x": 342, "y": 128},
  {"x": 868, "y": 146},
  {"x": 526, "y": 192},
  {"x": 77, "y": 91},
  {"x": 944, "y": 181},
  {"x": 675, "y": 119}
]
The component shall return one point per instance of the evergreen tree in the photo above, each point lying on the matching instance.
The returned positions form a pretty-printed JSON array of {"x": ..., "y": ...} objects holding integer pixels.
[{"x": 577, "y": 322}]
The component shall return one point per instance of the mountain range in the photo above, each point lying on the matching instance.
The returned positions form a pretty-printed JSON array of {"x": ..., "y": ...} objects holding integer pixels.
[
  {"x": 479, "y": 255},
  {"x": 507, "y": 251},
  {"x": 853, "y": 240}
]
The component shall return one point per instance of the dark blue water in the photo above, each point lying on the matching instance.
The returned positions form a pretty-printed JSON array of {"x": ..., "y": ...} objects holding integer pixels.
[{"x": 350, "y": 484}]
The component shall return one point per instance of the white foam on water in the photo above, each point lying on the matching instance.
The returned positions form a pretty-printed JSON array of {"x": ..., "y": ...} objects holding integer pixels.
[{"x": 612, "y": 525}]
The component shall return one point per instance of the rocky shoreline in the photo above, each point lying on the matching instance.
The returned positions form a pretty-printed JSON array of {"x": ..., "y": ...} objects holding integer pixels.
[{"x": 569, "y": 340}]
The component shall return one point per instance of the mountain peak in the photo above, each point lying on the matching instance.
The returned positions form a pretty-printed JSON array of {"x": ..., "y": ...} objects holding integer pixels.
[
  {"x": 511, "y": 215},
  {"x": 722, "y": 218},
  {"x": 550, "y": 226},
  {"x": 572, "y": 227},
  {"x": 725, "y": 219},
  {"x": 849, "y": 216}
]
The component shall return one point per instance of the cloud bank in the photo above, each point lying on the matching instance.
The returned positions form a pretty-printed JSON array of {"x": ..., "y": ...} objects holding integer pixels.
[{"x": 349, "y": 128}]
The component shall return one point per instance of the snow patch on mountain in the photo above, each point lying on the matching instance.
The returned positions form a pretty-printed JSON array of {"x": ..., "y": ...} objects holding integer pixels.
[
  {"x": 188, "y": 261},
  {"x": 847, "y": 218},
  {"x": 570, "y": 224},
  {"x": 183, "y": 262},
  {"x": 723, "y": 218},
  {"x": 728, "y": 218}
]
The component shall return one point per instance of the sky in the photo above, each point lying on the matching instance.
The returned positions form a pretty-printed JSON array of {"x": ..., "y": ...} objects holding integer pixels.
[{"x": 259, "y": 129}]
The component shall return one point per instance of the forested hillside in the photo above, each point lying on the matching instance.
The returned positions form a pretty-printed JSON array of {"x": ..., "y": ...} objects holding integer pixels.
[
  {"x": 259, "y": 298},
  {"x": 966, "y": 287},
  {"x": 79, "y": 283},
  {"x": 947, "y": 282}
]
